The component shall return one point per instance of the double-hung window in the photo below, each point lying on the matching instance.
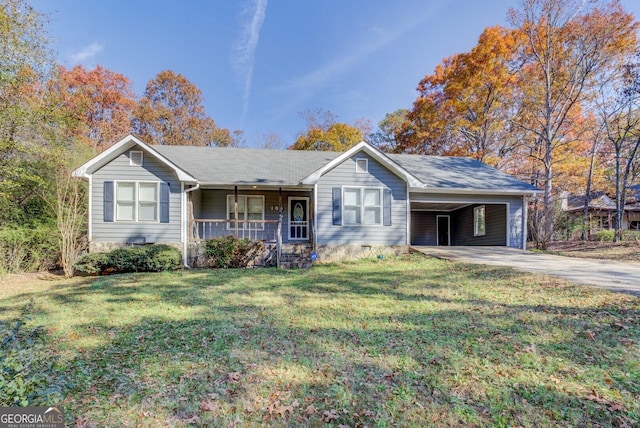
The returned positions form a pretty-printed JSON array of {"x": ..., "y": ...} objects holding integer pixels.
[
  {"x": 249, "y": 208},
  {"x": 136, "y": 201},
  {"x": 362, "y": 205}
]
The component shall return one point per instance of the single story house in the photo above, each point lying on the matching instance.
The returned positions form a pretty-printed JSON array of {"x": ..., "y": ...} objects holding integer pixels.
[
  {"x": 351, "y": 203},
  {"x": 601, "y": 210}
]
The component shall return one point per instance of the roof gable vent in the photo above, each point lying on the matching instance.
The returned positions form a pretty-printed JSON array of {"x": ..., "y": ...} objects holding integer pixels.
[{"x": 135, "y": 158}]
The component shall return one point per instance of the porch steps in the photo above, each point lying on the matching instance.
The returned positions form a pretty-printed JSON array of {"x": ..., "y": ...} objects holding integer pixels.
[{"x": 296, "y": 256}]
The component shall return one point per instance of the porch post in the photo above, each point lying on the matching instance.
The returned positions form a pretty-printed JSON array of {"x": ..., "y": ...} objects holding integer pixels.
[
  {"x": 279, "y": 230},
  {"x": 235, "y": 207}
]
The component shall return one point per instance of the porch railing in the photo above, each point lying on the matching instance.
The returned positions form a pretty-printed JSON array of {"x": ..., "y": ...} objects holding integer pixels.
[{"x": 258, "y": 230}]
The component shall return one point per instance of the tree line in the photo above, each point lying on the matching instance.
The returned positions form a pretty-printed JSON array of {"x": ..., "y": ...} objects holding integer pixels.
[{"x": 552, "y": 99}]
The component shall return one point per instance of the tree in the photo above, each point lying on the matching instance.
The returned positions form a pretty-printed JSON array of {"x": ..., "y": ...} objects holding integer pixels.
[
  {"x": 323, "y": 133},
  {"x": 463, "y": 107},
  {"x": 171, "y": 113},
  {"x": 385, "y": 138},
  {"x": 566, "y": 43},
  {"x": 97, "y": 104},
  {"x": 25, "y": 60},
  {"x": 619, "y": 108}
]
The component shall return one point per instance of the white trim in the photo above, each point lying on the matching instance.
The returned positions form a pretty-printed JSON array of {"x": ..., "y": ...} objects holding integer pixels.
[
  {"x": 408, "y": 210},
  {"x": 508, "y": 225},
  {"x": 184, "y": 226},
  {"x": 314, "y": 229},
  {"x": 136, "y": 202},
  {"x": 478, "y": 192},
  {"x": 362, "y": 191},
  {"x": 525, "y": 220},
  {"x": 88, "y": 168},
  {"x": 375, "y": 154},
  {"x": 506, "y": 204},
  {"x": 366, "y": 166},
  {"x": 476, "y": 210},
  {"x": 459, "y": 207},
  {"x": 131, "y": 155},
  {"x": 448, "y": 217},
  {"x": 289, "y": 219},
  {"x": 90, "y": 210}
]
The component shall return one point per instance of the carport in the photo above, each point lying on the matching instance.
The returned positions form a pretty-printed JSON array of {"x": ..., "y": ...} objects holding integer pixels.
[{"x": 466, "y": 220}]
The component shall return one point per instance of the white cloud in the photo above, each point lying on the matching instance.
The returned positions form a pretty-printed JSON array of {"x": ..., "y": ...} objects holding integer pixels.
[
  {"x": 86, "y": 53},
  {"x": 243, "y": 59}
]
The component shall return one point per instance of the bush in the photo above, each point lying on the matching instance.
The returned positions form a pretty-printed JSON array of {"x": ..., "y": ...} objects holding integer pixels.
[
  {"x": 603, "y": 235},
  {"x": 231, "y": 252},
  {"x": 30, "y": 374},
  {"x": 161, "y": 257},
  {"x": 152, "y": 258},
  {"x": 29, "y": 248}
]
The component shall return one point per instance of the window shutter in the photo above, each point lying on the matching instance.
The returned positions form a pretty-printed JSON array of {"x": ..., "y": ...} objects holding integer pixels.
[
  {"x": 107, "y": 205},
  {"x": 164, "y": 202},
  {"x": 337, "y": 206},
  {"x": 386, "y": 207}
]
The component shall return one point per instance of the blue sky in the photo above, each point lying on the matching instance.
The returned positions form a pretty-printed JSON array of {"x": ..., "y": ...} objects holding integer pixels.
[{"x": 259, "y": 63}]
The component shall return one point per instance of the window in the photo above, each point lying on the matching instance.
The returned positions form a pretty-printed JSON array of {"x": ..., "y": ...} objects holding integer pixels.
[
  {"x": 362, "y": 165},
  {"x": 136, "y": 201},
  {"x": 479, "y": 221},
  {"x": 249, "y": 208},
  {"x": 135, "y": 158},
  {"x": 362, "y": 205}
]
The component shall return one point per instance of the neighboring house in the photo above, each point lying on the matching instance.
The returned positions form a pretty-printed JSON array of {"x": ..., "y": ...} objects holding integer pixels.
[
  {"x": 349, "y": 203},
  {"x": 601, "y": 211}
]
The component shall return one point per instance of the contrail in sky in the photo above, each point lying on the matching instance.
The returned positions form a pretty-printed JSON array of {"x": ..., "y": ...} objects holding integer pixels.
[{"x": 245, "y": 50}]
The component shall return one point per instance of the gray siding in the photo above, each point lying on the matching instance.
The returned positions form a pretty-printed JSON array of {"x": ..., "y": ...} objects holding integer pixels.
[
  {"x": 212, "y": 204},
  {"x": 377, "y": 176},
  {"x": 514, "y": 230},
  {"x": 495, "y": 226},
  {"x": 120, "y": 231}
]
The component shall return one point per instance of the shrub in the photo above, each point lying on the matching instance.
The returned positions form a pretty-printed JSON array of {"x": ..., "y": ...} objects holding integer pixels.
[
  {"x": 231, "y": 252},
  {"x": 152, "y": 258},
  {"x": 603, "y": 235},
  {"x": 30, "y": 374},
  {"x": 162, "y": 257},
  {"x": 28, "y": 248}
]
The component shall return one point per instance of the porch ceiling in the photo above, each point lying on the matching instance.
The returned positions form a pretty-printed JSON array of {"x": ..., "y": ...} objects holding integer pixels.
[{"x": 436, "y": 206}]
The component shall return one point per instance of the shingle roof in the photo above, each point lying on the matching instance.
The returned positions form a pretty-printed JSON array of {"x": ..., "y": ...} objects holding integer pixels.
[
  {"x": 241, "y": 166},
  {"x": 458, "y": 173}
]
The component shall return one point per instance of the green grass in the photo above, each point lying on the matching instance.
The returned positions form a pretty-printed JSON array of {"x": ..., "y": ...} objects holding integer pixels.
[{"x": 411, "y": 341}]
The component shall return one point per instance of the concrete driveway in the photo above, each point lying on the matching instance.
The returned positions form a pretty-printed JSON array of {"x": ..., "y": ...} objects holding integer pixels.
[{"x": 616, "y": 276}]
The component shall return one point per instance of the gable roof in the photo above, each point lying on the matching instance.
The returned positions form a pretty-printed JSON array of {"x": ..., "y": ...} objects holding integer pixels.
[
  {"x": 122, "y": 146},
  {"x": 227, "y": 166},
  {"x": 375, "y": 154}
]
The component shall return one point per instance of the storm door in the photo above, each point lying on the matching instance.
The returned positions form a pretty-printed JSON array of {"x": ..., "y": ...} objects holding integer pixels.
[{"x": 298, "y": 219}]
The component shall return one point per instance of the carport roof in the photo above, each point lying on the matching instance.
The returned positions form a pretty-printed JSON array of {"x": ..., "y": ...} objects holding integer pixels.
[{"x": 457, "y": 173}]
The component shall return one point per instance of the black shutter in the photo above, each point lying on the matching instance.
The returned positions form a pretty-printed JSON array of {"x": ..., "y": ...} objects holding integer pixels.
[
  {"x": 108, "y": 201},
  {"x": 164, "y": 202},
  {"x": 337, "y": 206},
  {"x": 386, "y": 207}
]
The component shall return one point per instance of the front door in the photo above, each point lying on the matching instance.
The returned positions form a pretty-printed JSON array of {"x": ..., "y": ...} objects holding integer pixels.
[
  {"x": 298, "y": 219},
  {"x": 443, "y": 230}
]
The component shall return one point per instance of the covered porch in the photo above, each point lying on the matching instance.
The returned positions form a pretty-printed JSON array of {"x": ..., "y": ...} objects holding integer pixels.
[{"x": 268, "y": 215}]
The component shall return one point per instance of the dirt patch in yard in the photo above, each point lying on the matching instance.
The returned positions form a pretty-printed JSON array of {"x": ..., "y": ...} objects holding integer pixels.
[{"x": 619, "y": 251}]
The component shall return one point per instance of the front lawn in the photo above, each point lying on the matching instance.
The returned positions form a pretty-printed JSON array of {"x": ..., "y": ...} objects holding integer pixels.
[{"x": 412, "y": 341}]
